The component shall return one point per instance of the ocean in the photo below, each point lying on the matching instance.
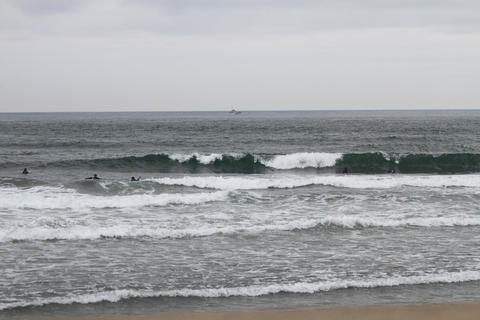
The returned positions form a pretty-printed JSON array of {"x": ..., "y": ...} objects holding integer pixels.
[{"x": 256, "y": 210}]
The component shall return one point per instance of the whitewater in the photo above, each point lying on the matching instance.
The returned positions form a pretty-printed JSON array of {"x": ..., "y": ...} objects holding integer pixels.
[{"x": 258, "y": 209}]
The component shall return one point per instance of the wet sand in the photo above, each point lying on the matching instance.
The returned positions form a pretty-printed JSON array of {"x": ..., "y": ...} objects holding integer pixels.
[{"x": 469, "y": 311}]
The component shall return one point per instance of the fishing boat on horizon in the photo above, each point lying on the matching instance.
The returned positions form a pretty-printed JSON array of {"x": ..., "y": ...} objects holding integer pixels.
[{"x": 233, "y": 111}]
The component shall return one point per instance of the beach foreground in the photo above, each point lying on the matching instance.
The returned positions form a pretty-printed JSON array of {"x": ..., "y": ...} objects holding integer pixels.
[{"x": 410, "y": 312}]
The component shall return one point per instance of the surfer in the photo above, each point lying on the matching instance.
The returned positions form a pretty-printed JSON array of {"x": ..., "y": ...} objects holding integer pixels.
[
  {"x": 135, "y": 179},
  {"x": 25, "y": 171},
  {"x": 392, "y": 171},
  {"x": 345, "y": 170},
  {"x": 95, "y": 177}
]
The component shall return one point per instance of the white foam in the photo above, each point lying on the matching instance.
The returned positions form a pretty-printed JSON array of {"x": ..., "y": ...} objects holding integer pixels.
[
  {"x": 60, "y": 198},
  {"x": 372, "y": 221},
  {"x": 346, "y": 181},
  {"x": 235, "y": 182},
  {"x": 61, "y": 228},
  {"x": 287, "y": 161},
  {"x": 256, "y": 290},
  {"x": 92, "y": 232},
  {"x": 202, "y": 158},
  {"x": 303, "y": 160}
]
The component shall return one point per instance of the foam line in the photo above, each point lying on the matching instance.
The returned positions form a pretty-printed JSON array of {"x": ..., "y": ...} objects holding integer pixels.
[
  {"x": 345, "y": 181},
  {"x": 254, "y": 290},
  {"x": 60, "y": 229},
  {"x": 60, "y": 198}
]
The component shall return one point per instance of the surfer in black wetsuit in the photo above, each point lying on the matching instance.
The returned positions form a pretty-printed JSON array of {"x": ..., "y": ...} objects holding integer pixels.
[
  {"x": 345, "y": 170},
  {"x": 25, "y": 171},
  {"x": 133, "y": 179},
  {"x": 95, "y": 177}
]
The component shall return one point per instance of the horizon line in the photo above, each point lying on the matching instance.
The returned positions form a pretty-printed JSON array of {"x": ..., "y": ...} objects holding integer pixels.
[{"x": 259, "y": 110}]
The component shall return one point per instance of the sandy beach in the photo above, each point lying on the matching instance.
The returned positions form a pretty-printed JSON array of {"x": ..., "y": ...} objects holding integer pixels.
[{"x": 465, "y": 311}]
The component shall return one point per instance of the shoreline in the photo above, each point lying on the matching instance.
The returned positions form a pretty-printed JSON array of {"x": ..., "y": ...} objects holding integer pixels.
[{"x": 441, "y": 311}]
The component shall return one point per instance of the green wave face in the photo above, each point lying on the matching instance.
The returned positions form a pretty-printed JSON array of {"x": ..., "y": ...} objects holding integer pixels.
[
  {"x": 414, "y": 163},
  {"x": 445, "y": 163},
  {"x": 163, "y": 163},
  {"x": 362, "y": 163}
]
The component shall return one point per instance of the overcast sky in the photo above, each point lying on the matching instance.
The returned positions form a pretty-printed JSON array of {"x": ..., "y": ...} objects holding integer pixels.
[{"x": 145, "y": 55}]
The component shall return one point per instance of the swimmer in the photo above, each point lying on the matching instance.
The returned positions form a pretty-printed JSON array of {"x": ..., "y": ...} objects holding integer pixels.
[
  {"x": 95, "y": 177},
  {"x": 25, "y": 171}
]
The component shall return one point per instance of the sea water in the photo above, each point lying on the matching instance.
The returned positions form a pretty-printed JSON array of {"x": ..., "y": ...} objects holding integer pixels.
[{"x": 237, "y": 211}]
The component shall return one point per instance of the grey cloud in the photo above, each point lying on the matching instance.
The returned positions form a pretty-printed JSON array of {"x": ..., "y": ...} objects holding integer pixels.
[
  {"x": 186, "y": 6},
  {"x": 193, "y": 17},
  {"x": 224, "y": 16},
  {"x": 43, "y": 7},
  {"x": 197, "y": 17}
]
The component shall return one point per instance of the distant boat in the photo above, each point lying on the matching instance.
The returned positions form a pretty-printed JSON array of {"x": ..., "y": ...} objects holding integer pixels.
[{"x": 233, "y": 111}]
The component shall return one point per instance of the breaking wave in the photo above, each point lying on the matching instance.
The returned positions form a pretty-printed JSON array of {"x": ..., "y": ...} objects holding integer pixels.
[
  {"x": 230, "y": 163},
  {"x": 303, "y": 160},
  {"x": 253, "y": 290},
  {"x": 367, "y": 163}
]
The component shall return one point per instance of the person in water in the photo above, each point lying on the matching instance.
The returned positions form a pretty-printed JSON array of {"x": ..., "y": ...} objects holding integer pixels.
[
  {"x": 345, "y": 170},
  {"x": 391, "y": 171},
  {"x": 95, "y": 177},
  {"x": 25, "y": 171},
  {"x": 133, "y": 179}
]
